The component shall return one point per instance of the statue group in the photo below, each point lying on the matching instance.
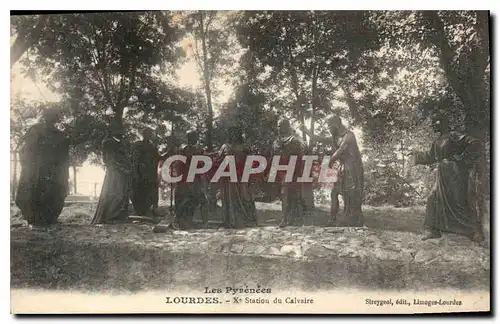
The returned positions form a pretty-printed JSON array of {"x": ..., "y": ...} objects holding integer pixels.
[{"x": 132, "y": 176}]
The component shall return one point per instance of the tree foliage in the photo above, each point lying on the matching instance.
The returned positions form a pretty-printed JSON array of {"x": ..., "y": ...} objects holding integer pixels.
[
  {"x": 384, "y": 72},
  {"x": 111, "y": 66},
  {"x": 106, "y": 60},
  {"x": 306, "y": 55},
  {"x": 27, "y": 31},
  {"x": 460, "y": 41},
  {"x": 212, "y": 46}
]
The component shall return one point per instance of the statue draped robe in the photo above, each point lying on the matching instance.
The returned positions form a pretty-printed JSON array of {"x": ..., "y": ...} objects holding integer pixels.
[
  {"x": 43, "y": 183},
  {"x": 350, "y": 179},
  {"x": 293, "y": 202},
  {"x": 144, "y": 193},
  {"x": 189, "y": 196},
  {"x": 452, "y": 205},
  {"x": 238, "y": 205},
  {"x": 114, "y": 198}
]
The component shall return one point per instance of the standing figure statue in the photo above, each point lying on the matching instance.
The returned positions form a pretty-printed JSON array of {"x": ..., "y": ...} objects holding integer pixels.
[
  {"x": 43, "y": 184},
  {"x": 189, "y": 196},
  {"x": 114, "y": 198},
  {"x": 169, "y": 150},
  {"x": 238, "y": 205},
  {"x": 451, "y": 206},
  {"x": 308, "y": 189},
  {"x": 350, "y": 177},
  {"x": 293, "y": 203},
  {"x": 145, "y": 159}
]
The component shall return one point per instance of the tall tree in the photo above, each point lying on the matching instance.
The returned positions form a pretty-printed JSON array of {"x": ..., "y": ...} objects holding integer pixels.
[
  {"x": 211, "y": 47},
  {"x": 103, "y": 62},
  {"x": 248, "y": 107},
  {"x": 460, "y": 41},
  {"x": 110, "y": 66},
  {"x": 306, "y": 53}
]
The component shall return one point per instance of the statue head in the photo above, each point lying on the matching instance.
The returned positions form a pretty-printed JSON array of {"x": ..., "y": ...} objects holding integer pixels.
[
  {"x": 440, "y": 123},
  {"x": 235, "y": 134},
  {"x": 284, "y": 127},
  {"x": 147, "y": 134},
  {"x": 192, "y": 137},
  {"x": 116, "y": 128},
  {"x": 171, "y": 141},
  {"x": 335, "y": 125},
  {"x": 51, "y": 116}
]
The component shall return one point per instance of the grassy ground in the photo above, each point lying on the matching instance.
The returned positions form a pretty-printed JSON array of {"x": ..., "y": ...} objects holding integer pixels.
[
  {"x": 408, "y": 219},
  {"x": 79, "y": 255},
  {"x": 132, "y": 257}
]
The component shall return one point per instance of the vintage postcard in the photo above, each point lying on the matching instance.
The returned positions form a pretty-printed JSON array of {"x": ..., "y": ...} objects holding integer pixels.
[{"x": 222, "y": 162}]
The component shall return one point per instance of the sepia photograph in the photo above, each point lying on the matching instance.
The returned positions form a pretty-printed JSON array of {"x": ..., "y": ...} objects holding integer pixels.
[{"x": 250, "y": 162}]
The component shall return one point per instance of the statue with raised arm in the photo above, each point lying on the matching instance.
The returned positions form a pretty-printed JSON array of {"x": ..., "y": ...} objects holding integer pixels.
[
  {"x": 452, "y": 205},
  {"x": 350, "y": 175},
  {"x": 349, "y": 182}
]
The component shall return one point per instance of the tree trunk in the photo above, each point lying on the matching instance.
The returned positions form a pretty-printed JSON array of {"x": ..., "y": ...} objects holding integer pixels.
[
  {"x": 119, "y": 115},
  {"x": 313, "y": 106},
  {"x": 295, "y": 89},
  {"x": 402, "y": 148},
  {"x": 14, "y": 178},
  {"x": 212, "y": 201},
  {"x": 469, "y": 86},
  {"x": 482, "y": 170},
  {"x": 208, "y": 92},
  {"x": 74, "y": 180},
  {"x": 303, "y": 124},
  {"x": 300, "y": 112},
  {"x": 308, "y": 191},
  {"x": 466, "y": 78},
  {"x": 351, "y": 104}
]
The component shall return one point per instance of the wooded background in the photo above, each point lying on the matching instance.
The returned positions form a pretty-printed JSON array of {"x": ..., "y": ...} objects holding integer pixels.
[{"x": 384, "y": 72}]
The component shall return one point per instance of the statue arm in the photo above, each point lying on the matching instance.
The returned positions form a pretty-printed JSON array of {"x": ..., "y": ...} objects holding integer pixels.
[
  {"x": 344, "y": 145},
  {"x": 134, "y": 161},
  {"x": 107, "y": 151},
  {"x": 246, "y": 150},
  {"x": 65, "y": 164},
  {"x": 112, "y": 156},
  {"x": 425, "y": 158},
  {"x": 125, "y": 162},
  {"x": 158, "y": 156},
  {"x": 30, "y": 144},
  {"x": 469, "y": 150},
  {"x": 276, "y": 148},
  {"x": 317, "y": 138}
]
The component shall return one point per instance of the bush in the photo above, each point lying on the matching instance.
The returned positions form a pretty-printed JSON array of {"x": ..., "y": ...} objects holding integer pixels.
[{"x": 384, "y": 186}]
